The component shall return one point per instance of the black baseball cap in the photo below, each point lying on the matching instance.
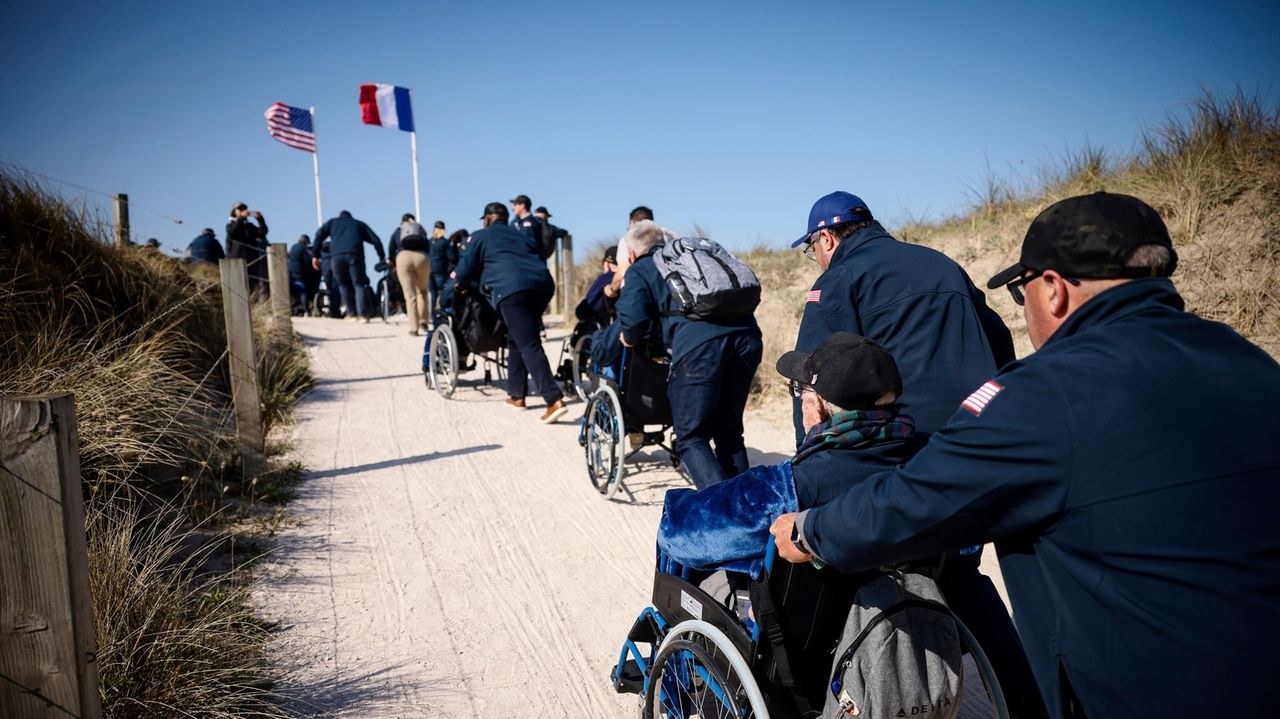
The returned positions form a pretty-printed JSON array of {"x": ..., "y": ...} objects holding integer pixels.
[
  {"x": 610, "y": 253},
  {"x": 847, "y": 370},
  {"x": 543, "y": 210},
  {"x": 494, "y": 208},
  {"x": 522, "y": 200},
  {"x": 440, "y": 223},
  {"x": 1090, "y": 237}
]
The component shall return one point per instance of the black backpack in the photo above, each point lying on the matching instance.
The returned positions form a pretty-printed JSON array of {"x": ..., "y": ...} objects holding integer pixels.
[{"x": 479, "y": 324}]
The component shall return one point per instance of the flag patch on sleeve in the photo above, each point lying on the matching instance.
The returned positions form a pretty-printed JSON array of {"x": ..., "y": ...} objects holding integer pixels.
[
  {"x": 981, "y": 397},
  {"x": 814, "y": 295}
]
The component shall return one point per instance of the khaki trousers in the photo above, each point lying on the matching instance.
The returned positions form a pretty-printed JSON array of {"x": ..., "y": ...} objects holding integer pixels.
[{"x": 413, "y": 269}]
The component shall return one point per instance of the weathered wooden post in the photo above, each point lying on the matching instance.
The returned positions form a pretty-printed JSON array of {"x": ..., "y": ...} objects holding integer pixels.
[
  {"x": 120, "y": 208},
  {"x": 244, "y": 364},
  {"x": 48, "y": 655},
  {"x": 566, "y": 275},
  {"x": 281, "y": 301},
  {"x": 554, "y": 261}
]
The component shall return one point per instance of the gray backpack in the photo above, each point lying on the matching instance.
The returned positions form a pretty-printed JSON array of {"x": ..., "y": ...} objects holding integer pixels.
[
  {"x": 707, "y": 283},
  {"x": 900, "y": 653},
  {"x": 413, "y": 236}
]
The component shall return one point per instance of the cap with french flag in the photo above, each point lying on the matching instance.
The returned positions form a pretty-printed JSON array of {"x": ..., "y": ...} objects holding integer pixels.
[{"x": 386, "y": 105}]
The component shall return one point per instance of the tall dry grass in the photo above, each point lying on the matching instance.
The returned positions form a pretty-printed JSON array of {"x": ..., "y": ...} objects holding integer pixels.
[
  {"x": 138, "y": 338},
  {"x": 173, "y": 641}
]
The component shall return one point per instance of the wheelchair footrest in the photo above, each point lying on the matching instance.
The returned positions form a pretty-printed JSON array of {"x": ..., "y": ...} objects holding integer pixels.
[{"x": 630, "y": 680}]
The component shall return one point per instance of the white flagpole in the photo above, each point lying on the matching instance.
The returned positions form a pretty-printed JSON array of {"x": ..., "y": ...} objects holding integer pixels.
[
  {"x": 315, "y": 164},
  {"x": 413, "y": 144}
]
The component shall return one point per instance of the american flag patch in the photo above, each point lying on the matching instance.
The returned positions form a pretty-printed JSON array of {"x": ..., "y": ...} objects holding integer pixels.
[
  {"x": 814, "y": 295},
  {"x": 981, "y": 397}
]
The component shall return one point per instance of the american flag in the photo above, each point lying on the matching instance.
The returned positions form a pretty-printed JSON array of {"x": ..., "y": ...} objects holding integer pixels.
[{"x": 291, "y": 125}]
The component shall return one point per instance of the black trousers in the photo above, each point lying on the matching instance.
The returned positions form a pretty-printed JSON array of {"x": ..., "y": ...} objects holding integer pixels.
[{"x": 522, "y": 312}]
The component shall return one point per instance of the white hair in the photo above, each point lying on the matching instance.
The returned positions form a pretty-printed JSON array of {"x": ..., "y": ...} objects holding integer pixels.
[{"x": 644, "y": 236}]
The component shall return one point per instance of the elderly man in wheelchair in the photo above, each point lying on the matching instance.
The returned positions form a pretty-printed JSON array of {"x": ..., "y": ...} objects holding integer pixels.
[{"x": 732, "y": 633}]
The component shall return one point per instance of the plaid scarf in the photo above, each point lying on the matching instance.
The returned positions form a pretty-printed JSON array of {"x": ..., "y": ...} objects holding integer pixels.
[{"x": 855, "y": 428}]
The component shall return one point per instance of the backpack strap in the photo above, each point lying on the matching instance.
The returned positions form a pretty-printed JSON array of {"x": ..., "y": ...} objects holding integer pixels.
[
  {"x": 847, "y": 657},
  {"x": 767, "y": 619}
]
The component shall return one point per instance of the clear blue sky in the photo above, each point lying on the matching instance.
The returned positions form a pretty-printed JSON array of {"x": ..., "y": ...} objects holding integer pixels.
[{"x": 734, "y": 115}]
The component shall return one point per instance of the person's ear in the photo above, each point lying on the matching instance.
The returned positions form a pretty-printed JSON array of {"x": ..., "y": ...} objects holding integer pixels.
[
  {"x": 829, "y": 238},
  {"x": 1057, "y": 294}
]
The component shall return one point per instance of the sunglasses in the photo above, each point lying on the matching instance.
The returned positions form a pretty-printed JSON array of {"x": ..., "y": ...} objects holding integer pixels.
[
  {"x": 795, "y": 389},
  {"x": 1015, "y": 287}
]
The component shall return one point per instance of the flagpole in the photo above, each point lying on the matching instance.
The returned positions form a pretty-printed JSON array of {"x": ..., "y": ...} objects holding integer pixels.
[
  {"x": 315, "y": 164},
  {"x": 413, "y": 145}
]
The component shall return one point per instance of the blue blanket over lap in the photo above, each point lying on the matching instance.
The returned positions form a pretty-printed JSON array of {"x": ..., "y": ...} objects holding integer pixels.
[{"x": 726, "y": 525}]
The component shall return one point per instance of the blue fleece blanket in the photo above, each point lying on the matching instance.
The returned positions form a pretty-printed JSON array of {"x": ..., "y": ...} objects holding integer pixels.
[{"x": 726, "y": 525}]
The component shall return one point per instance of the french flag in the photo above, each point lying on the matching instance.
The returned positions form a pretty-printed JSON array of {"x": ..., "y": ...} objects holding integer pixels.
[{"x": 386, "y": 105}]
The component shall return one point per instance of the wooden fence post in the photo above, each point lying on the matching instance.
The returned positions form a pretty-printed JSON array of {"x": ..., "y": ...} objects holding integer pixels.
[
  {"x": 244, "y": 364},
  {"x": 566, "y": 275},
  {"x": 120, "y": 208},
  {"x": 48, "y": 655},
  {"x": 281, "y": 301}
]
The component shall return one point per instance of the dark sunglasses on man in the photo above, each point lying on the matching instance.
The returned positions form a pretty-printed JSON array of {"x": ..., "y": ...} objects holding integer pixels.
[{"x": 1015, "y": 287}]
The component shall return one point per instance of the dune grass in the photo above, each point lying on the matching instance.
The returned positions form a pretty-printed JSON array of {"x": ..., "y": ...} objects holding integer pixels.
[{"x": 138, "y": 338}]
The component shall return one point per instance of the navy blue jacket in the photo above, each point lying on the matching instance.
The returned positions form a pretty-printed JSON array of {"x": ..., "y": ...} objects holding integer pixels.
[
  {"x": 245, "y": 239},
  {"x": 921, "y": 306},
  {"x": 594, "y": 306},
  {"x": 645, "y": 298},
  {"x": 346, "y": 234},
  {"x": 444, "y": 256},
  {"x": 823, "y": 476},
  {"x": 300, "y": 257},
  {"x": 1129, "y": 473},
  {"x": 205, "y": 248},
  {"x": 532, "y": 226},
  {"x": 503, "y": 261}
]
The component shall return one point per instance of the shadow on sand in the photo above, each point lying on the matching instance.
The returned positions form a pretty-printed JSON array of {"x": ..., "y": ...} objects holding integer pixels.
[{"x": 399, "y": 461}]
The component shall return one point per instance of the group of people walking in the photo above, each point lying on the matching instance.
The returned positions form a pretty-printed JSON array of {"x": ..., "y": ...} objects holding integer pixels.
[
  {"x": 1124, "y": 471},
  {"x": 420, "y": 262}
]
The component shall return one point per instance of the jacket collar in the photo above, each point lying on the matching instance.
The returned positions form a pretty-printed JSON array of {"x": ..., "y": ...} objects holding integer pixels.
[
  {"x": 1119, "y": 304},
  {"x": 858, "y": 239}
]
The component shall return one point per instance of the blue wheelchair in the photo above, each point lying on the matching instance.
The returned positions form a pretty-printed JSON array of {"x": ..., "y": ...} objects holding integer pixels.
[
  {"x": 766, "y": 651},
  {"x": 633, "y": 408}
]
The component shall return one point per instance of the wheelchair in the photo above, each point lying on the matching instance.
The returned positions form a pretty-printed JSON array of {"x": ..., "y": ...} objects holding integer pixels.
[
  {"x": 634, "y": 405},
  {"x": 770, "y": 655},
  {"x": 574, "y": 368},
  {"x": 467, "y": 330}
]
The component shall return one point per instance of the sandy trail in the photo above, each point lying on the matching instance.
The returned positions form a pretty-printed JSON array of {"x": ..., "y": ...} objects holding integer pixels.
[{"x": 453, "y": 559}]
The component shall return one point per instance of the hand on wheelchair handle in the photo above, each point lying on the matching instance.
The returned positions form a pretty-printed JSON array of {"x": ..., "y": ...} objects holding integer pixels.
[{"x": 781, "y": 529}]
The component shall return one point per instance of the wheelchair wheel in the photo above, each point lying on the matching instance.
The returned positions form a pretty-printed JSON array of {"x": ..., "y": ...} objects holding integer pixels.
[
  {"x": 583, "y": 383},
  {"x": 444, "y": 361},
  {"x": 384, "y": 298},
  {"x": 699, "y": 672},
  {"x": 320, "y": 305},
  {"x": 604, "y": 438}
]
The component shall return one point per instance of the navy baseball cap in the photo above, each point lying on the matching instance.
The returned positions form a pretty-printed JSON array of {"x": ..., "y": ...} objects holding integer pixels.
[
  {"x": 835, "y": 209},
  {"x": 1089, "y": 237}
]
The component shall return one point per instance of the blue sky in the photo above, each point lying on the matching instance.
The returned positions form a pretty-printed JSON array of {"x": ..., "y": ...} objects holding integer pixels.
[{"x": 733, "y": 115}]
